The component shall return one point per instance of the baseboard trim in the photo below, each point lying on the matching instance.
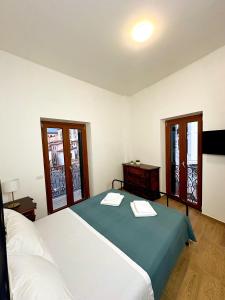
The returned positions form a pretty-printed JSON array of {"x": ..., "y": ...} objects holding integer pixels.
[{"x": 213, "y": 219}]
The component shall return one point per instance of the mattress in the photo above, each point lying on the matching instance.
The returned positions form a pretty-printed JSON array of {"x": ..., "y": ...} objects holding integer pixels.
[{"x": 92, "y": 267}]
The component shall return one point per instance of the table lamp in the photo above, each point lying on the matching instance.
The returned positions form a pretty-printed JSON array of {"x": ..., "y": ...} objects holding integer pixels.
[{"x": 10, "y": 187}]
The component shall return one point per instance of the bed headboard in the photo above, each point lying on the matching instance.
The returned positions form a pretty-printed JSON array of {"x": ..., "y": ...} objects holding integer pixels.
[{"x": 4, "y": 279}]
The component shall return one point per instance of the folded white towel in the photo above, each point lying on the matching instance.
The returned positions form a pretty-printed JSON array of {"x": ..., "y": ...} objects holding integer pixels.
[
  {"x": 143, "y": 206},
  {"x": 113, "y": 199},
  {"x": 142, "y": 209}
]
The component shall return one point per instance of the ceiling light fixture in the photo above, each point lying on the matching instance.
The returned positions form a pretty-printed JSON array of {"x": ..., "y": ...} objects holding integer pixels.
[{"x": 142, "y": 31}]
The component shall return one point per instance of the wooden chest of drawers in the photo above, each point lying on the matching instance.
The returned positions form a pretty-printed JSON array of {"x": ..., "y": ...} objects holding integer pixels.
[{"x": 142, "y": 180}]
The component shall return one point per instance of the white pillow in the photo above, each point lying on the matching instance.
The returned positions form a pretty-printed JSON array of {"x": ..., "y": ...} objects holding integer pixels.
[
  {"x": 32, "y": 277},
  {"x": 22, "y": 236}
]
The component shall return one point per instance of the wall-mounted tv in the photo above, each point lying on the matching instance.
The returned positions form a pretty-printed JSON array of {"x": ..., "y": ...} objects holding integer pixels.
[{"x": 213, "y": 142}]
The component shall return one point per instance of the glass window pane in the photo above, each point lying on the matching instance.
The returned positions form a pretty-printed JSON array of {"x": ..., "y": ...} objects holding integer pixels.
[
  {"x": 192, "y": 161},
  {"x": 57, "y": 167},
  {"x": 175, "y": 159},
  {"x": 75, "y": 164}
]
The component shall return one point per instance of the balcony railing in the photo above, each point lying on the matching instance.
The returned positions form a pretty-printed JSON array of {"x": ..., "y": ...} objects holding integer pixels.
[
  {"x": 192, "y": 181},
  {"x": 58, "y": 180}
]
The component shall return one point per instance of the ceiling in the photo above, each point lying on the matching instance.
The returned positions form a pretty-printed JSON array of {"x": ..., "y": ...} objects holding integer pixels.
[{"x": 89, "y": 39}]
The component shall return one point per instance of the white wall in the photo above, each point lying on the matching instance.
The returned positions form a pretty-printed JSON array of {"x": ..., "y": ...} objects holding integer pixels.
[
  {"x": 29, "y": 92},
  {"x": 198, "y": 87},
  {"x": 118, "y": 130}
]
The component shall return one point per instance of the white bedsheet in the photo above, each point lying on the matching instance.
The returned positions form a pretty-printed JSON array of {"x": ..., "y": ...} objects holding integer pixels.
[{"x": 93, "y": 268}]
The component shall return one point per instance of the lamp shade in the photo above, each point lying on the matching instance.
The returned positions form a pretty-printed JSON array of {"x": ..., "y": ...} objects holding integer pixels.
[{"x": 10, "y": 186}]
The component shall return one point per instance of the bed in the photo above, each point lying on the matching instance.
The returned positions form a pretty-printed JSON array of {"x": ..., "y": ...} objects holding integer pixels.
[{"x": 104, "y": 252}]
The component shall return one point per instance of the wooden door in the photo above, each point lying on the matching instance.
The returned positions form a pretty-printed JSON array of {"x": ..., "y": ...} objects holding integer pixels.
[
  {"x": 65, "y": 163},
  {"x": 184, "y": 159}
]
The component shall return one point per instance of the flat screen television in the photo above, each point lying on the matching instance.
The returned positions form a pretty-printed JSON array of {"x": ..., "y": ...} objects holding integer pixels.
[{"x": 213, "y": 142}]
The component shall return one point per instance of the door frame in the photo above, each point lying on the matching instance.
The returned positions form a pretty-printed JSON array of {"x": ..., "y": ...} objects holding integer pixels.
[
  {"x": 66, "y": 147},
  {"x": 182, "y": 121}
]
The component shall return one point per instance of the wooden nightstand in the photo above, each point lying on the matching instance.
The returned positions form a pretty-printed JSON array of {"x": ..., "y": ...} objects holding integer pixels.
[{"x": 26, "y": 208}]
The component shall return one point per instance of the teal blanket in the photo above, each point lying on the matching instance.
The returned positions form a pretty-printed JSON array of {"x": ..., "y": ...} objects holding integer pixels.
[{"x": 154, "y": 243}]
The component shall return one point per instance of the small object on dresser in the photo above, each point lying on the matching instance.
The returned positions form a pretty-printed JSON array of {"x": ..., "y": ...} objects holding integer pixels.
[
  {"x": 138, "y": 162},
  {"x": 27, "y": 207},
  {"x": 10, "y": 187}
]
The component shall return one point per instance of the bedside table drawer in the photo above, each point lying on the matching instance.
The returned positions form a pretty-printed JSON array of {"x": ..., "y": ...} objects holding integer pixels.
[{"x": 30, "y": 215}]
